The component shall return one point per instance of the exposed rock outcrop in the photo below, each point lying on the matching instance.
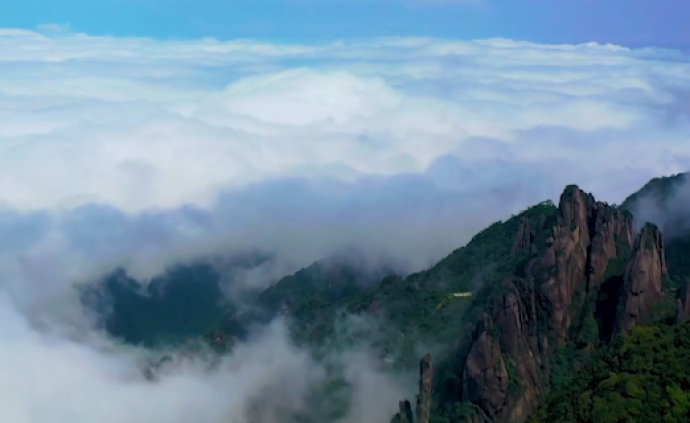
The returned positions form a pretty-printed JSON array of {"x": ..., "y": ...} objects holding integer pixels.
[
  {"x": 574, "y": 267},
  {"x": 613, "y": 236},
  {"x": 507, "y": 346},
  {"x": 485, "y": 379},
  {"x": 683, "y": 304},
  {"x": 527, "y": 317},
  {"x": 642, "y": 289},
  {"x": 524, "y": 240},
  {"x": 585, "y": 240},
  {"x": 423, "y": 409},
  {"x": 426, "y": 374}
]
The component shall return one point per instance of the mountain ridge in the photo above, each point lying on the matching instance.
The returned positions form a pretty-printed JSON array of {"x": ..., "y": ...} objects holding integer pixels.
[{"x": 527, "y": 303}]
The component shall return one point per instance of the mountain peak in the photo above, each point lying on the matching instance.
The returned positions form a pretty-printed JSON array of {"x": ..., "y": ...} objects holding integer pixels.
[
  {"x": 642, "y": 289},
  {"x": 550, "y": 302}
]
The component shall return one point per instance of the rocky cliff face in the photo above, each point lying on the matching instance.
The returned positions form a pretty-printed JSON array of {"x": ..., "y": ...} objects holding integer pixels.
[
  {"x": 507, "y": 349},
  {"x": 530, "y": 315},
  {"x": 485, "y": 379},
  {"x": 426, "y": 372},
  {"x": 577, "y": 275},
  {"x": 524, "y": 240},
  {"x": 586, "y": 238},
  {"x": 642, "y": 289},
  {"x": 683, "y": 304}
]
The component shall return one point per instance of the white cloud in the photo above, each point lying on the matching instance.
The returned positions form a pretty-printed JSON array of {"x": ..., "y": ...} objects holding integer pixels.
[
  {"x": 55, "y": 380},
  {"x": 185, "y": 117},
  {"x": 147, "y": 126},
  {"x": 144, "y": 152},
  {"x": 300, "y": 97}
]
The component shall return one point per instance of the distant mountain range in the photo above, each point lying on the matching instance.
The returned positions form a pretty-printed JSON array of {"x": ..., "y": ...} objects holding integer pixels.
[{"x": 573, "y": 312}]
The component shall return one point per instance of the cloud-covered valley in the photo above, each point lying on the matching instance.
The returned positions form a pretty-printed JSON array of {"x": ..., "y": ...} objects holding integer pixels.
[{"x": 143, "y": 153}]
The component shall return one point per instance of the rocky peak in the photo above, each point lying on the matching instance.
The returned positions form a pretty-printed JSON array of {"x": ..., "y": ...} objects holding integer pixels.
[
  {"x": 426, "y": 373},
  {"x": 642, "y": 288},
  {"x": 564, "y": 265},
  {"x": 586, "y": 237},
  {"x": 612, "y": 231},
  {"x": 423, "y": 409},
  {"x": 531, "y": 315},
  {"x": 576, "y": 207}
]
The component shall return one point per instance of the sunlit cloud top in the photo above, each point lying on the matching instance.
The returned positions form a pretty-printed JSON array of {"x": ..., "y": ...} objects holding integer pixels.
[
  {"x": 139, "y": 123},
  {"x": 144, "y": 151}
]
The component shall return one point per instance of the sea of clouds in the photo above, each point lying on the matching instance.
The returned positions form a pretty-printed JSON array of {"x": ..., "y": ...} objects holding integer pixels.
[{"x": 143, "y": 153}]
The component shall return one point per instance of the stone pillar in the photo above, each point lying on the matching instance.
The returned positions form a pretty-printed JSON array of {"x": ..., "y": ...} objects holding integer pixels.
[{"x": 424, "y": 396}]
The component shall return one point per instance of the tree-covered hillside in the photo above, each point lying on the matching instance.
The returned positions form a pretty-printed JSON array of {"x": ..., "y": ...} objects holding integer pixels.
[
  {"x": 552, "y": 315},
  {"x": 181, "y": 303},
  {"x": 643, "y": 377}
]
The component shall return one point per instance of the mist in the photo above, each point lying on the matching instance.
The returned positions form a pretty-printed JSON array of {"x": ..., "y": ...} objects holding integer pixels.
[
  {"x": 55, "y": 378},
  {"x": 668, "y": 208},
  {"x": 144, "y": 154}
]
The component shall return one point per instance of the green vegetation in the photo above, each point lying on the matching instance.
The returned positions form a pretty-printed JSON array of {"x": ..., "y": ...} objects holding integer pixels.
[
  {"x": 419, "y": 309},
  {"x": 677, "y": 250},
  {"x": 180, "y": 304},
  {"x": 616, "y": 267},
  {"x": 454, "y": 412},
  {"x": 642, "y": 377},
  {"x": 660, "y": 193},
  {"x": 658, "y": 190}
]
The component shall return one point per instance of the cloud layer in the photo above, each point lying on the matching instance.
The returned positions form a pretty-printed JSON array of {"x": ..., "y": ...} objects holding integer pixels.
[
  {"x": 172, "y": 142},
  {"x": 51, "y": 379},
  {"x": 141, "y": 152}
]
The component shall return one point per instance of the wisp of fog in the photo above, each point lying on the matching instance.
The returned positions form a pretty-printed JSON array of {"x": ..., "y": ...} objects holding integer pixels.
[{"x": 142, "y": 154}]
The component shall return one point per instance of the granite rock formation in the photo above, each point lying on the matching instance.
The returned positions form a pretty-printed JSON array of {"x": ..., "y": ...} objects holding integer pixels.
[
  {"x": 642, "y": 288},
  {"x": 531, "y": 313}
]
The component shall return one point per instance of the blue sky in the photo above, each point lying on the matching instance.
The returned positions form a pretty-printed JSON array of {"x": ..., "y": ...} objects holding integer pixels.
[{"x": 626, "y": 22}]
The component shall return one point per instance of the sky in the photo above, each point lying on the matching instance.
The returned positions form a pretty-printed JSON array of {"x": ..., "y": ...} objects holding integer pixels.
[
  {"x": 626, "y": 22},
  {"x": 144, "y": 134}
]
